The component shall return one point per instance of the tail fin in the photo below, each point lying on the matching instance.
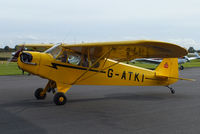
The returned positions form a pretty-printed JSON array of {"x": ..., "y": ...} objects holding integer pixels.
[
  {"x": 197, "y": 55},
  {"x": 168, "y": 69}
]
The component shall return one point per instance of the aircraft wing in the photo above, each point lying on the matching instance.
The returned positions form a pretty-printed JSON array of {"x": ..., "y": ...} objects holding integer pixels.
[
  {"x": 128, "y": 50},
  {"x": 196, "y": 56},
  {"x": 192, "y": 58},
  {"x": 35, "y": 47},
  {"x": 154, "y": 61}
]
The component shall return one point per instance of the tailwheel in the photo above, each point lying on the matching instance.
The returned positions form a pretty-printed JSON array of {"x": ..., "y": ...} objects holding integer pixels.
[
  {"x": 171, "y": 90},
  {"x": 60, "y": 98},
  {"x": 181, "y": 67},
  {"x": 39, "y": 94}
]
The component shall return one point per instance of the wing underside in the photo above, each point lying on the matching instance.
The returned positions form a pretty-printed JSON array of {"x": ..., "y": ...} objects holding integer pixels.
[
  {"x": 35, "y": 47},
  {"x": 128, "y": 50},
  {"x": 121, "y": 50}
]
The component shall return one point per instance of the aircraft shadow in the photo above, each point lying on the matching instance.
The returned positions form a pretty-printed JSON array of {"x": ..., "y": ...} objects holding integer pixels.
[
  {"x": 126, "y": 96},
  {"x": 116, "y": 96}
]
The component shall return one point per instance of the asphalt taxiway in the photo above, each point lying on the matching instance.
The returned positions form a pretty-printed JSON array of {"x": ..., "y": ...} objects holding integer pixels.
[{"x": 101, "y": 109}]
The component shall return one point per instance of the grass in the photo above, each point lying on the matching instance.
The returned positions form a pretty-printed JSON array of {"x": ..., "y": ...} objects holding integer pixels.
[
  {"x": 9, "y": 69},
  {"x": 192, "y": 63},
  {"x": 144, "y": 65},
  {"x": 12, "y": 68}
]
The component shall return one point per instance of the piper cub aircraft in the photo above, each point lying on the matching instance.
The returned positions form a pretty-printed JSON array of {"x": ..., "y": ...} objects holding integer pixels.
[{"x": 99, "y": 63}]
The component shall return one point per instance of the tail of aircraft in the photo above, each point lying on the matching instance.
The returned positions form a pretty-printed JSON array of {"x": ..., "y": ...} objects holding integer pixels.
[
  {"x": 197, "y": 55},
  {"x": 168, "y": 69}
]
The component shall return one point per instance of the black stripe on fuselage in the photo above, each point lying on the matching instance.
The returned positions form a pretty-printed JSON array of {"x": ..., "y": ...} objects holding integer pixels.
[{"x": 54, "y": 65}]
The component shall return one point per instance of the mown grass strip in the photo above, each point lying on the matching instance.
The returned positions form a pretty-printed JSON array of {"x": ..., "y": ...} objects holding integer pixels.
[{"x": 9, "y": 69}]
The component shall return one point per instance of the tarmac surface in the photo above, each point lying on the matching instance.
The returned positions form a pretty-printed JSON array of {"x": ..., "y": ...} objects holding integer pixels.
[{"x": 101, "y": 109}]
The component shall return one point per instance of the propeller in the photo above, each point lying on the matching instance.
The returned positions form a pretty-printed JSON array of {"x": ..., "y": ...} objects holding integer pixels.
[{"x": 15, "y": 55}]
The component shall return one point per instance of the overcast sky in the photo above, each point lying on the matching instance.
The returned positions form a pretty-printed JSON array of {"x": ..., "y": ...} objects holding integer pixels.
[{"x": 74, "y": 21}]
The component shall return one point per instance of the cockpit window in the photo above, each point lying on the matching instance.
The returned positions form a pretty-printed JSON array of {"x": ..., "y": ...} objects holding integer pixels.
[
  {"x": 68, "y": 57},
  {"x": 55, "y": 50},
  {"x": 74, "y": 59},
  {"x": 71, "y": 57}
]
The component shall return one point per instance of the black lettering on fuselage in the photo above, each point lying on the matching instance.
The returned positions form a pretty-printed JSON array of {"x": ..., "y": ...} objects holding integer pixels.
[
  {"x": 124, "y": 75},
  {"x": 136, "y": 77},
  {"x": 110, "y": 73},
  {"x": 142, "y": 77},
  {"x": 130, "y": 74}
]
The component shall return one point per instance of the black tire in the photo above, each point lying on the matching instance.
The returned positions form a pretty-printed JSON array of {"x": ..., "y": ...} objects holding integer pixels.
[
  {"x": 60, "y": 98},
  {"x": 38, "y": 94},
  {"x": 181, "y": 67},
  {"x": 173, "y": 91}
]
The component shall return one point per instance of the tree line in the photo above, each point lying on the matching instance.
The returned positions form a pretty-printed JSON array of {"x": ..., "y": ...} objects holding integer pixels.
[
  {"x": 7, "y": 49},
  {"x": 192, "y": 50}
]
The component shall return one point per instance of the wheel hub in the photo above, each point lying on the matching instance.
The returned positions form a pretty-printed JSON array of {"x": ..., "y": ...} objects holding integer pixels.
[
  {"x": 61, "y": 99},
  {"x": 41, "y": 94}
]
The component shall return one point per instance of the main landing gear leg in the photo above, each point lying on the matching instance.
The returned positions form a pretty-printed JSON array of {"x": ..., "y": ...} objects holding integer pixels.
[
  {"x": 40, "y": 93},
  {"x": 59, "y": 97},
  {"x": 171, "y": 89}
]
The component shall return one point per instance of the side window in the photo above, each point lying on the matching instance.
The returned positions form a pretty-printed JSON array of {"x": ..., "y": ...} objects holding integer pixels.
[
  {"x": 93, "y": 61},
  {"x": 74, "y": 59},
  {"x": 62, "y": 57},
  {"x": 84, "y": 61},
  {"x": 68, "y": 57}
]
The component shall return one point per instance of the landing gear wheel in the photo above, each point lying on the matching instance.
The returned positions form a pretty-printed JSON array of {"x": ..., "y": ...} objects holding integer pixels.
[
  {"x": 39, "y": 95},
  {"x": 172, "y": 91},
  {"x": 181, "y": 67},
  {"x": 60, "y": 98}
]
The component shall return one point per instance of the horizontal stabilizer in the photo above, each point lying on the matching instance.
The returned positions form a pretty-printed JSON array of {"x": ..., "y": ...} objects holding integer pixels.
[
  {"x": 178, "y": 78},
  {"x": 183, "y": 79}
]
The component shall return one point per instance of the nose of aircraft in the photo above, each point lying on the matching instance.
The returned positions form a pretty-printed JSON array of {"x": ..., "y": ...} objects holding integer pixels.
[
  {"x": 29, "y": 61},
  {"x": 26, "y": 57}
]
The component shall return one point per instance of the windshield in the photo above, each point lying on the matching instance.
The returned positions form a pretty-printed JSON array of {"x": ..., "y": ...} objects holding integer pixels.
[{"x": 55, "y": 50}]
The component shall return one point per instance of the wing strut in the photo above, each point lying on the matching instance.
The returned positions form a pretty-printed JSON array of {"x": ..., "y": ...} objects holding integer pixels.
[
  {"x": 102, "y": 69},
  {"x": 92, "y": 65}
]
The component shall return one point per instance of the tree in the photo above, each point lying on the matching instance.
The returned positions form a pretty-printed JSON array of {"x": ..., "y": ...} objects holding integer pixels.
[
  {"x": 15, "y": 48},
  {"x": 191, "y": 50},
  {"x": 6, "y": 48}
]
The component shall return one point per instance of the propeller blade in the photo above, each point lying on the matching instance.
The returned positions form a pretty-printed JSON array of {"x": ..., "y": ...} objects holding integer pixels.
[{"x": 15, "y": 55}]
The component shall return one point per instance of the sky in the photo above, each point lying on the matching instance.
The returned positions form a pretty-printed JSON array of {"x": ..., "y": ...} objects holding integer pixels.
[{"x": 75, "y": 21}]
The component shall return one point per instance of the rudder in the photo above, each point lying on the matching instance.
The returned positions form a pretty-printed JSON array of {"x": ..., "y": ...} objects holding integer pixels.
[{"x": 168, "y": 68}]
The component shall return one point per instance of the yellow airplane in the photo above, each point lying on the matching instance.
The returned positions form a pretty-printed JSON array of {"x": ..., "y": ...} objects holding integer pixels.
[{"x": 99, "y": 63}]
